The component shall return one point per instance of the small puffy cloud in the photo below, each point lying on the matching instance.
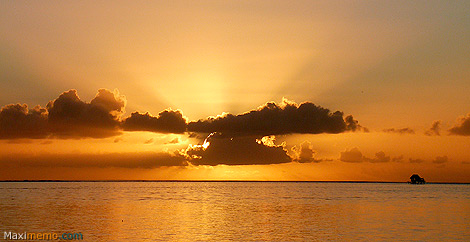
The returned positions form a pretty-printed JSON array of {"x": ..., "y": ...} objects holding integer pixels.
[
  {"x": 149, "y": 141},
  {"x": 462, "y": 127},
  {"x": 398, "y": 158},
  {"x": 435, "y": 129},
  {"x": 304, "y": 153},
  {"x": 400, "y": 131},
  {"x": 416, "y": 160},
  {"x": 174, "y": 141},
  {"x": 273, "y": 119},
  {"x": 17, "y": 121},
  {"x": 118, "y": 139},
  {"x": 144, "y": 160},
  {"x": 353, "y": 125},
  {"x": 168, "y": 121},
  {"x": 380, "y": 157},
  {"x": 222, "y": 150},
  {"x": 352, "y": 155},
  {"x": 440, "y": 159}
]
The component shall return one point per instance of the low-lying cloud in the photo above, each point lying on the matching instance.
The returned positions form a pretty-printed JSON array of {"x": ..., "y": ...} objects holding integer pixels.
[
  {"x": 144, "y": 160},
  {"x": 354, "y": 155},
  {"x": 304, "y": 153},
  {"x": 400, "y": 131}
]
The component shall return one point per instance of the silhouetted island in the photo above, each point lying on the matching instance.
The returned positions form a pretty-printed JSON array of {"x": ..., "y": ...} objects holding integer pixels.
[{"x": 416, "y": 179}]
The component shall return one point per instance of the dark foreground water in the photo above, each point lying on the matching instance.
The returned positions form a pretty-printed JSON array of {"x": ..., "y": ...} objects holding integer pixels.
[{"x": 221, "y": 211}]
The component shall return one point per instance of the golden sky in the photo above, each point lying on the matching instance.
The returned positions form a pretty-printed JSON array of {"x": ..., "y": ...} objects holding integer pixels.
[{"x": 400, "y": 68}]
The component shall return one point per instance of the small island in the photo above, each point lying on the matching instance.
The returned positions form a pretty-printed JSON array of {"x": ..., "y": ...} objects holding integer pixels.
[{"x": 416, "y": 179}]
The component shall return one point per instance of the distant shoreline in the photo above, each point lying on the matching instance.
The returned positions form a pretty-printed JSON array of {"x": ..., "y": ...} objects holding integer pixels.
[{"x": 228, "y": 181}]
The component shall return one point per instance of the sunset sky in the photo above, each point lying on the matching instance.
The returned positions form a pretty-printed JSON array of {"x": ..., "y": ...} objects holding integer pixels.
[{"x": 235, "y": 90}]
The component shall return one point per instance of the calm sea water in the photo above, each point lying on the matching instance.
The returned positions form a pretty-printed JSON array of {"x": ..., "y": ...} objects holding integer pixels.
[{"x": 224, "y": 211}]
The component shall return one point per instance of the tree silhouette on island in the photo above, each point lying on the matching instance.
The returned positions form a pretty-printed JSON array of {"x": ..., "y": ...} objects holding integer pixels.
[{"x": 416, "y": 179}]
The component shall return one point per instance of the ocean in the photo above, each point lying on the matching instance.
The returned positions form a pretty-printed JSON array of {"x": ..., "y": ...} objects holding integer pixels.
[{"x": 237, "y": 211}]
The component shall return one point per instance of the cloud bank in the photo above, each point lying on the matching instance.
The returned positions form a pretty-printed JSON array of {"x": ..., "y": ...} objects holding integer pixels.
[
  {"x": 70, "y": 117},
  {"x": 65, "y": 117},
  {"x": 144, "y": 160},
  {"x": 273, "y": 119}
]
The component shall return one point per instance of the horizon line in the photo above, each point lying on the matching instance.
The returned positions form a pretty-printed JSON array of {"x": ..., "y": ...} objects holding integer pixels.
[{"x": 261, "y": 181}]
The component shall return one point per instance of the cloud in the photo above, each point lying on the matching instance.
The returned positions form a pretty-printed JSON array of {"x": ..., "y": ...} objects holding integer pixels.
[
  {"x": 17, "y": 121},
  {"x": 440, "y": 159},
  {"x": 435, "y": 129},
  {"x": 168, "y": 121},
  {"x": 400, "y": 131},
  {"x": 462, "y": 127},
  {"x": 145, "y": 160},
  {"x": 398, "y": 158},
  {"x": 273, "y": 119},
  {"x": 69, "y": 117},
  {"x": 149, "y": 141},
  {"x": 174, "y": 141},
  {"x": 353, "y": 125},
  {"x": 221, "y": 150},
  {"x": 304, "y": 153},
  {"x": 354, "y": 155},
  {"x": 65, "y": 117},
  {"x": 380, "y": 157},
  {"x": 118, "y": 139},
  {"x": 416, "y": 160}
]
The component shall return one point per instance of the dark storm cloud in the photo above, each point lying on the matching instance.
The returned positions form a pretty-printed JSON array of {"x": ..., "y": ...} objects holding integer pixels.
[
  {"x": 220, "y": 150},
  {"x": 273, "y": 119},
  {"x": 354, "y": 155},
  {"x": 462, "y": 127},
  {"x": 400, "y": 131},
  {"x": 168, "y": 121},
  {"x": 435, "y": 129},
  {"x": 146, "y": 160},
  {"x": 17, "y": 121}
]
